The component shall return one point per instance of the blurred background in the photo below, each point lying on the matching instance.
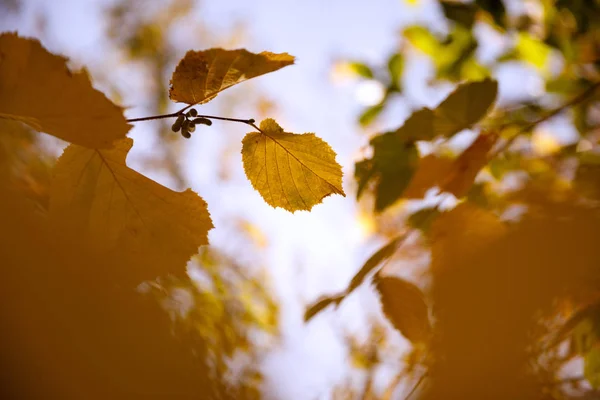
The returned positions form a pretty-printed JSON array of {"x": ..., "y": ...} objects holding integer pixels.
[{"x": 361, "y": 69}]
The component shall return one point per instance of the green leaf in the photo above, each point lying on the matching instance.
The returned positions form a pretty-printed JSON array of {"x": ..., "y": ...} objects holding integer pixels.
[
  {"x": 370, "y": 114},
  {"x": 419, "y": 126},
  {"x": 361, "y": 69},
  {"x": 391, "y": 168},
  {"x": 464, "y": 107},
  {"x": 396, "y": 68},
  {"x": 404, "y": 305}
]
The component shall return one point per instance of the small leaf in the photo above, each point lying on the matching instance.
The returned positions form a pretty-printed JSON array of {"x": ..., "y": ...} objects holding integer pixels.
[
  {"x": 38, "y": 89},
  {"x": 464, "y": 107},
  {"x": 390, "y": 170},
  {"x": 396, "y": 68},
  {"x": 377, "y": 258},
  {"x": 361, "y": 69},
  {"x": 119, "y": 210},
  {"x": 201, "y": 75},
  {"x": 370, "y": 114},
  {"x": 404, "y": 305},
  {"x": 290, "y": 171}
]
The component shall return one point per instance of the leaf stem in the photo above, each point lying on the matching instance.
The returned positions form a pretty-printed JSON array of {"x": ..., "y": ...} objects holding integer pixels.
[
  {"x": 575, "y": 100},
  {"x": 249, "y": 121}
]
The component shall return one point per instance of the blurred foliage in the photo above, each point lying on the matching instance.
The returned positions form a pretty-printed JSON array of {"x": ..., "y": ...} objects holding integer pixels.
[{"x": 501, "y": 201}]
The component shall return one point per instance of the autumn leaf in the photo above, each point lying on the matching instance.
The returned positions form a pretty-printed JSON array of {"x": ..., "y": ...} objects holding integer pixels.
[
  {"x": 289, "y": 170},
  {"x": 465, "y": 168},
  {"x": 404, "y": 305},
  {"x": 94, "y": 194},
  {"x": 38, "y": 89},
  {"x": 201, "y": 75},
  {"x": 464, "y": 107},
  {"x": 373, "y": 262},
  {"x": 452, "y": 176}
]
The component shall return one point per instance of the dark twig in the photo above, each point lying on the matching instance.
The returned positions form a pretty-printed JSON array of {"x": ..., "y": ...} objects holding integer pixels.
[{"x": 575, "y": 100}]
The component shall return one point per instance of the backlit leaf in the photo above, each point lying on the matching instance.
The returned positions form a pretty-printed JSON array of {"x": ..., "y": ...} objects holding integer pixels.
[
  {"x": 201, "y": 75},
  {"x": 119, "y": 210},
  {"x": 404, "y": 305},
  {"x": 389, "y": 171},
  {"x": 464, "y": 169},
  {"x": 370, "y": 114},
  {"x": 289, "y": 170},
  {"x": 38, "y": 89},
  {"x": 464, "y": 107}
]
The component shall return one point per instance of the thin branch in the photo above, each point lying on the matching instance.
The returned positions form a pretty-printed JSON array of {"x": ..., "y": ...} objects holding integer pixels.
[
  {"x": 249, "y": 121},
  {"x": 576, "y": 100},
  {"x": 414, "y": 389}
]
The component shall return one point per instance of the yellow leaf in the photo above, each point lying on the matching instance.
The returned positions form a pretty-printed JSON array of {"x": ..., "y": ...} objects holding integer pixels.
[
  {"x": 201, "y": 75},
  {"x": 464, "y": 169},
  {"x": 37, "y": 88},
  {"x": 290, "y": 171},
  {"x": 404, "y": 304},
  {"x": 117, "y": 209}
]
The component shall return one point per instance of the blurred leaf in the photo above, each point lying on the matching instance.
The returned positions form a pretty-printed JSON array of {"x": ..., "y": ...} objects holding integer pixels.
[
  {"x": 201, "y": 75},
  {"x": 390, "y": 169},
  {"x": 453, "y": 176},
  {"x": 361, "y": 69},
  {"x": 430, "y": 172},
  {"x": 38, "y": 89},
  {"x": 495, "y": 8},
  {"x": 423, "y": 219},
  {"x": 419, "y": 126},
  {"x": 532, "y": 50},
  {"x": 290, "y": 171},
  {"x": 116, "y": 209},
  {"x": 380, "y": 255},
  {"x": 396, "y": 69},
  {"x": 464, "y": 169},
  {"x": 404, "y": 305},
  {"x": 464, "y": 107},
  {"x": 320, "y": 305},
  {"x": 422, "y": 39},
  {"x": 591, "y": 368},
  {"x": 461, "y": 13},
  {"x": 370, "y": 114}
]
